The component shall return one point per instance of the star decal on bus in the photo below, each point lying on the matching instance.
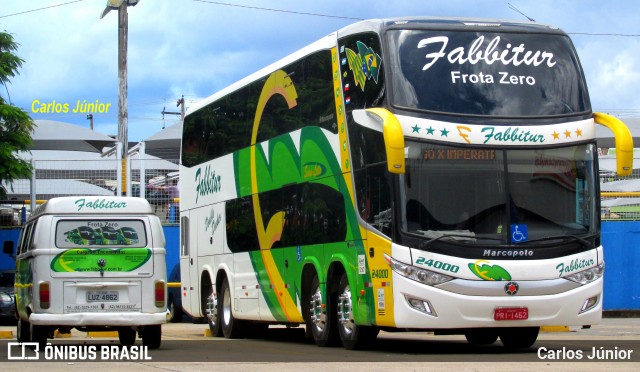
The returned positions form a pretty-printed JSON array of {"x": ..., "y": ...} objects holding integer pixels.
[{"x": 416, "y": 129}]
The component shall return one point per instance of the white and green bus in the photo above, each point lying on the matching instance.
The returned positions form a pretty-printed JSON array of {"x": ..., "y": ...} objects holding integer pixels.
[{"x": 406, "y": 174}]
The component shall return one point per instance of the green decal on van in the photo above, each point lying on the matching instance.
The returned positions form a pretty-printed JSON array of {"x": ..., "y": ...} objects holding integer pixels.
[{"x": 96, "y": 260}]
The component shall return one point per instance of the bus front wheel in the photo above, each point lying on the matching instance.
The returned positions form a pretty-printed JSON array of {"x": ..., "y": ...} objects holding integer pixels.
[
  {"x": 519, "y": 338},
  {"x": 353, "y": 336}
]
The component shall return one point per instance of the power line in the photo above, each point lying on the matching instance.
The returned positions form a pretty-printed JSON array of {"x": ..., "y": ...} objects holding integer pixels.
[
  {"x": 278, "y": 10},
  {"x": 596, "y": 34},
  {"x": 46, "y": 7}
]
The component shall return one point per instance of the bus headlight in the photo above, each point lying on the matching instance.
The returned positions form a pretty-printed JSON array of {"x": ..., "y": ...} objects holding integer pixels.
[
  {"x": 415, "y": 273},
  {"x": 588, "y": 275}
]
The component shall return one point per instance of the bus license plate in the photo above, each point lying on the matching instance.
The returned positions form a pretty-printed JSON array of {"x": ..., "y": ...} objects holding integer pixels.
[
  {"x": 102, "y": 296},
  {"x": 511, "y": 313}
]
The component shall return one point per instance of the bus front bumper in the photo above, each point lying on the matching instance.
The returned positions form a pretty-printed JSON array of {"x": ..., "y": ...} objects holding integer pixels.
[{"x": 452, "y": 310}]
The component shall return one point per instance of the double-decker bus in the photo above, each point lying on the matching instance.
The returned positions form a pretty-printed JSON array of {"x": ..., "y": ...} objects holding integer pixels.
[{"x": 407, "y": 174}]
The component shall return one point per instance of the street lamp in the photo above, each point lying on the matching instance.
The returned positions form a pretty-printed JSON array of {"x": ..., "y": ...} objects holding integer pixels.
[{"x": 121, "y": 6}]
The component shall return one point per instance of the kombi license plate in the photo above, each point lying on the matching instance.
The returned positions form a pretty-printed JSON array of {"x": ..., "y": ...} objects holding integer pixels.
[
  {"x": 511, "y": 313},
  {"x": 102, "y": 296}
]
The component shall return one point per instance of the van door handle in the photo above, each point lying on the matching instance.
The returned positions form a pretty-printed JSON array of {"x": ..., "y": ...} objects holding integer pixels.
[{"x": 191, "y": 260}]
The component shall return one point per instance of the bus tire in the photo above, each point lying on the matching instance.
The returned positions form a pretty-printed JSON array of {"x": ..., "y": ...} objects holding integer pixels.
[
  {"x": 126, "y": 336},
  {"x": 481, "y": 336},
  {"x": 519, "y": 338},
  {"x": 353, "y": 336},
  {"x": 231, "y": 327},
  {"x": 152, "y": 336},
  {"x": 320, "y": 318},
  {"x": 22, "y": 331},
  {"x": 210, "y": 309}
]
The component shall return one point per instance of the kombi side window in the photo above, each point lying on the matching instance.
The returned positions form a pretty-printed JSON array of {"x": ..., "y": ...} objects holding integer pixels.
[
  {"x": 100, "y": 233},
  {"x": 26, "y": 238}
]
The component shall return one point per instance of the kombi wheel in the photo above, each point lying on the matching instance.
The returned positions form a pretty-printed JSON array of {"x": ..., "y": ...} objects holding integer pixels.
[
  {"x": 320, "y": 318},
  {"x": 127, "y": 336},
  {"x": 353, "y": 336},
  {"x": 231, "y": 327},
  {"x": 152, "y": 336},
  {"x": 39, "y": 334},
  {"x": 23, "y": 331}
]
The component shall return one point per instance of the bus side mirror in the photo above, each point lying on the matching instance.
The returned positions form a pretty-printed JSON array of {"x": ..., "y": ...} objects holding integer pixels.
[
  {"x": 377, "y": 119},
  {"x": 624, "y": 142},
  {"x": 7, "y": 247}
]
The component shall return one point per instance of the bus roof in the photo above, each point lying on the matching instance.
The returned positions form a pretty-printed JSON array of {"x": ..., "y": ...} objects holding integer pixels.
[
  {"x": 487, "y": 24},
  {"x": 378, "y": 25},
  {"x": 93, "y": 205}
]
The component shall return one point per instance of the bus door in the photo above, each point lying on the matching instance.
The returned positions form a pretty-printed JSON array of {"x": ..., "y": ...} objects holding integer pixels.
[{"x": 188, "y": 266}]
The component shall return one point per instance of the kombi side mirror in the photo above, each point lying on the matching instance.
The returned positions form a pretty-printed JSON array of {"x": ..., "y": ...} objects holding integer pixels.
[{"x": 7, "y": 247}]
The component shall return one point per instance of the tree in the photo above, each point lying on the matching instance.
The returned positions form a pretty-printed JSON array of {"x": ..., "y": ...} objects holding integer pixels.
[{"x": 15, "y": 124}]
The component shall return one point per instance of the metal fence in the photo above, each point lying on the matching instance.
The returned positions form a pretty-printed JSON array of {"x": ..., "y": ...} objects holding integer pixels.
[
  {"x": 154, "y": 179},
  {"x": 157, "y": 181}
]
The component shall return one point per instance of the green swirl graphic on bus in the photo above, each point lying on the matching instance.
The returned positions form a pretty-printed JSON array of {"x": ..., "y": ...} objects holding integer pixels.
[
  {"x": 484, "y": 271},
  {"x": 86, "y": 260}
]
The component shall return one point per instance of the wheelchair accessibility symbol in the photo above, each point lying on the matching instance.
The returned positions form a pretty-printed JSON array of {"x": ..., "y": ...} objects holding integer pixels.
[{"x": 519, "y": 233}]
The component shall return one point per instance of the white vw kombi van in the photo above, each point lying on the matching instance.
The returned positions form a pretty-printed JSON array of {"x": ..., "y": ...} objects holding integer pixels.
[{"x": 92, "y": 263}]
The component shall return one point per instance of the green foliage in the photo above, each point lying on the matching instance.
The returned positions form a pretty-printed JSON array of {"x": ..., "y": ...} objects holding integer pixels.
[{"x": 15, "y": 124}]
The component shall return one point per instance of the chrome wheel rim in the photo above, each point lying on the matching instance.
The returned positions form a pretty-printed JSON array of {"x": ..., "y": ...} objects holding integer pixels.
[
  {"x": 345, "y": 312},
  {"x": 212, "y": 309},
  {"x": 318, "y": 316}
]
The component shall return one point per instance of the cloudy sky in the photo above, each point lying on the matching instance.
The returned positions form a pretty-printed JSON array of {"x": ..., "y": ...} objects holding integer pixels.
[{"x": 193, "y": 48}]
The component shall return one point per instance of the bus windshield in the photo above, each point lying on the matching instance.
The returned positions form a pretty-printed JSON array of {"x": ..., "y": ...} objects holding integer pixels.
[
  {"x": 486, "y": 73},
  {"x": 498, "y": 197}
]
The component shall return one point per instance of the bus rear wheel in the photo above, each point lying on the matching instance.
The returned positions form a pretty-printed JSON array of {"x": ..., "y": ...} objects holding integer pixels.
[
  {"x": 320, "y": 319},
  {"x": 519, "y": 338},
  {"x": 210, "y": 311},
  {"x": 231, "y": 327},
  {"x": 353, "y": 336}
]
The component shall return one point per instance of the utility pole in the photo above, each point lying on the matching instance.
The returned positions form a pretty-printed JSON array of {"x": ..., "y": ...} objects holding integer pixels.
[
  {"x": 181, "y": 113},
  {"x": 123, "y": 115},
  {"x": 90, "y": 118}
]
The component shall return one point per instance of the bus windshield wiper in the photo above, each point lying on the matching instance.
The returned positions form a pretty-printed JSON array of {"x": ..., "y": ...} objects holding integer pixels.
[
  {"x": 583, "y": 242},
  {"x": 457, "y": 236}
]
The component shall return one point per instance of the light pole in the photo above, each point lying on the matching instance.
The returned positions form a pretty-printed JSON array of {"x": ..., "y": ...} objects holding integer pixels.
[{"x": 123, "y": 115}]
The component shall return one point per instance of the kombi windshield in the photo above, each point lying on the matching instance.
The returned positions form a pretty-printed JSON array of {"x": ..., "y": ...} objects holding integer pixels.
[{"x": 485, "y": 73}]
